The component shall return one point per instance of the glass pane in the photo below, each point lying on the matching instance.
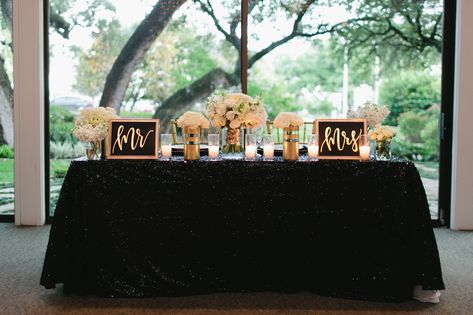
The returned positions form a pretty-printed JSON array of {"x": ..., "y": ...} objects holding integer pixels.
[
  {"x": 190, "y": 59},
  {"x": 322, "y": 58},
  {"x": 7, "y": 193}
]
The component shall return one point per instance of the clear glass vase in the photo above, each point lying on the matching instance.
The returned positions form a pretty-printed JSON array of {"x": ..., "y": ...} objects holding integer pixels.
[
  {"x": 93, "y": 150},
  {"x": 383, "y": 150}
]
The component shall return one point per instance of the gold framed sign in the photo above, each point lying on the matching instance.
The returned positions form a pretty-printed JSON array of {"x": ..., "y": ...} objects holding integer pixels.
[
  {"x": 133, "y": 139},
  {"x": 339, "y": 138}
]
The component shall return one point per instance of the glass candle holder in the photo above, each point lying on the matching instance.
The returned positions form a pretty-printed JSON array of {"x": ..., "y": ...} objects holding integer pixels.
[
  {"x": 313, "y": 147},
  {"x": 268, "y": 147},
  {"x": 214, "y": 145},
  {"x": 166, "y": 146},
  {"x": 250, "y": 146},
  {"x": 364, "y": 147}
]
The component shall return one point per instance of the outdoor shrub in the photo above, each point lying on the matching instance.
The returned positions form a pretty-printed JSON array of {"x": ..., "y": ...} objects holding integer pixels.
[
  {"x": 66, "y": 150},
  {"x": 418, "y": 137},
  {"x": 61, "y": 125},
  {"x": 6, "y": 152},
  {"x": 409, "y": 91}
]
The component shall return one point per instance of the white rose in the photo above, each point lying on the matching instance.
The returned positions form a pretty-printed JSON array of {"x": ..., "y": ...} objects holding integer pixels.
[
  {"x": 230, "y": 115},
  {"x": 235, "y": 124}
]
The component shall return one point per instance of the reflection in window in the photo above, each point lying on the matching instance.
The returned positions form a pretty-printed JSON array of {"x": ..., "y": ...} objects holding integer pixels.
[{"x": 7, "y": 193}]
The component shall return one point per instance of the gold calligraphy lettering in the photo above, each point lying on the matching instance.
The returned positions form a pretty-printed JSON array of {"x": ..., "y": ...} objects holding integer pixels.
[
  {"x": 341, "y": 139},
  {"x": 133, "y": 135}
]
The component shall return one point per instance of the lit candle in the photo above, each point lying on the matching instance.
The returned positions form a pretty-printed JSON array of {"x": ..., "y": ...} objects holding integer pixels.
[
  {"x": 166, "y": 151},
  {"x": 268, "y": 151},
  {"x": 250, "y": 151},
  {"x": 213, "y": 151},
  {"x": 313, "y": 151},
  {"x": 365, "y": 152}
]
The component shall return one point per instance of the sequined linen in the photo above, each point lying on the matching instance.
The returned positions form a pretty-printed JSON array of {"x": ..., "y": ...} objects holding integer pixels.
[{"x": 164, "y": 228}]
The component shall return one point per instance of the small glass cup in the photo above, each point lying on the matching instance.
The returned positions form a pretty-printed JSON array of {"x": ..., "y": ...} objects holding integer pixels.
[
  {"x": 268, "y": 147},
  {"x": 166, "y": 146},
  {"x": 312, "y": 147},
  {"x": 364, "y": 147},
  {"x": 214, "y": 145},
  {"x": 250, "y": 146}
]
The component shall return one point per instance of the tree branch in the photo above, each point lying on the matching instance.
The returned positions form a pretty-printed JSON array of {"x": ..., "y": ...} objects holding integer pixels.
[{"x": 232, "y": 38}]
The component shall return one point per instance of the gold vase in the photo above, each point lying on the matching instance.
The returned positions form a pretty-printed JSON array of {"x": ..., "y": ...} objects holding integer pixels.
[
  {"x": 191, "y": 144},
  {"x": 232, "y": 141},
  {"x": 291, "y": 144}
]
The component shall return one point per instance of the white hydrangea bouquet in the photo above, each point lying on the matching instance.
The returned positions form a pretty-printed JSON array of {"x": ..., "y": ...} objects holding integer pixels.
[
  {"x": 288, "y": 119},
  {"x": 373, "y": 113},
  {"x": 91, "y": 127},
  {"x": 193, "y": 120},
  {"x": 235, "y": 111}
]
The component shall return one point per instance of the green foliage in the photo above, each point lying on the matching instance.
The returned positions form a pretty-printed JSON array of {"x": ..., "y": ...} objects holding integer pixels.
[
  {"x": 6, "y": 171},
  {"x": 125, "y": 114},
  {"x": 314, "y": 68},
  {"x": 276, "y": 97},
  {"x": 59, "y": 168},
  {"x": 410, "y": 91},
  {"x": 6, "y": 152},
  {"x": 61, "y": 124},
  {"x": 418, "y": 137},
  {"x": 66, "y": 150}
]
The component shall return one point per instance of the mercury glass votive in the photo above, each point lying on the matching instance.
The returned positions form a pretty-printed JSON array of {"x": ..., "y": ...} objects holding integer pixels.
[
  {"x": 250, "y": 146},
  {"x": 313, "y": 147},
  {"x": 166, "y": 146},
  {"x": 214, "y": 145},
  {"x": 268, "y": 147},
  {"x": 364, "y": 147}
]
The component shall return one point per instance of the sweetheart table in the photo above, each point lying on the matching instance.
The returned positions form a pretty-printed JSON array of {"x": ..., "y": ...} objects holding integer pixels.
[{"x": 345, "y": 229}]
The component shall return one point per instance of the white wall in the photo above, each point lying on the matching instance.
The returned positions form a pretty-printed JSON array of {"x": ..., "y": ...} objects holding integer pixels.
[
  {"x": 29, "y": 111},
  {"x": 462, "y": 168}
]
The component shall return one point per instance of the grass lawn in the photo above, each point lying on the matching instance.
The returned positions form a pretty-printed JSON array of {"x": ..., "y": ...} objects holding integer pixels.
[
  {"x": 58, "y": 169},
  {"x": 6, "y": 171}
]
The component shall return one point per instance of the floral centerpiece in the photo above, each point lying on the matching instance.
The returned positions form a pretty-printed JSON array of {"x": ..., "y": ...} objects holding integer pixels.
[
  {"x": 288, "y": 119},
  {"x": 382, "y": 135},
  {"x": 91, "y": 127},
  {"x": 373, "y": 113},
  {"x": 290, "y": 123},
  {"x": 234, "y": 111},
  {"x": 191, "y": 122}
]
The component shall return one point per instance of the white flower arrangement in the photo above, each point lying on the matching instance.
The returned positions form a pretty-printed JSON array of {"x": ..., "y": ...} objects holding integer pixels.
[
  {"x": 193, "y": 120},
  {"x": 288, "y": 119},
  {"x": 235, "y": 110},
  {"x": 92, "y": 123},
  {"x": 373, "y": 113},
  {"x": 382, "y": 133}
]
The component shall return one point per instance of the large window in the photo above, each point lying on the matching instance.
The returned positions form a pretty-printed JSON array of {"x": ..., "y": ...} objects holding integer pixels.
[
  {"x": 189, "y": 59},
  {"x": 323, "y": 58},
  {"x": 318, "y": 58},
  {"x": 7, "y": 193}
]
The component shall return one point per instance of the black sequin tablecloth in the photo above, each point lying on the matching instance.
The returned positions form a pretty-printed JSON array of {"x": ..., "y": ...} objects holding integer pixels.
[{"x": 164, "y": 228}]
